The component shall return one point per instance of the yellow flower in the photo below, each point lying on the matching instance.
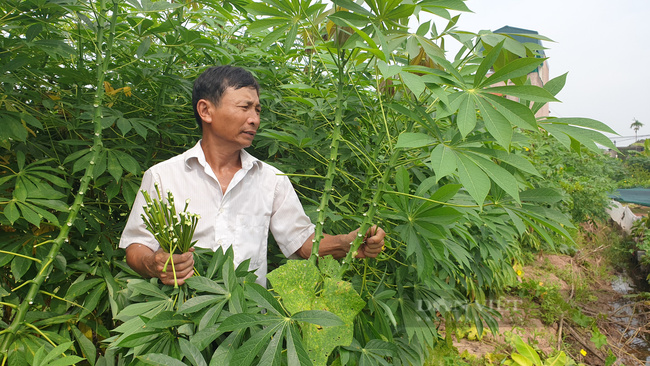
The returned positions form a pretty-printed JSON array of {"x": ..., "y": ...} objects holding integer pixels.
[
  {"x": 527, "y": 149},
  {"x": 541, "y": 283},
  {"x": 583, "y": 352},
  {"x": 109, "y": 89},
  {"x": 519, "y": 272}
]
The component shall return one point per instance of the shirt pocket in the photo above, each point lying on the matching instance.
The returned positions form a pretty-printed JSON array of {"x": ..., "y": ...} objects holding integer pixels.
[{"x": 251, "y": 236}]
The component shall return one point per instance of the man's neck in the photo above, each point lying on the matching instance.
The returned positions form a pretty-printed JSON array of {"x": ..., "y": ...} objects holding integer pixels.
[
  {"x": 223, "y": 162},
  {"x": 220, "y": 158}
]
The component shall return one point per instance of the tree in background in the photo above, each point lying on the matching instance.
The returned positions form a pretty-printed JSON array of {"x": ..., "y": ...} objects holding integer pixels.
[{"x": 636, "y": 125}]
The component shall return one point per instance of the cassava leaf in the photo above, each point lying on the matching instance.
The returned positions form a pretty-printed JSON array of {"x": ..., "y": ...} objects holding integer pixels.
[
  {"x": 318, "y": 317},
  {"x": 159, "y": 359},
  {"x": 497, "y": 125},
  {"x": 527, "y": 92},
  {"x": 412, "y": 140},
  {"x": 473, "y": 179},
  {"x": 487, "y": 63},
  {"x": 466, "y": 118}
]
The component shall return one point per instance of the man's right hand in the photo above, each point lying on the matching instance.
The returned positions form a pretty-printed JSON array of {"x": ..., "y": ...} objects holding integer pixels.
[{"x": 151, "y": 264}]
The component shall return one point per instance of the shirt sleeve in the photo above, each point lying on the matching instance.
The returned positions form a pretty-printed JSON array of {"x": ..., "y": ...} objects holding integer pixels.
[
  {"x": 290, "y": 225},
  {"x": 135, "y": 231}
]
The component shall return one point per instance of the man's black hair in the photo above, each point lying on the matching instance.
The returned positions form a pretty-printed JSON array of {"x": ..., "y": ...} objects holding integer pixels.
[{"x": 213, "y": 82}]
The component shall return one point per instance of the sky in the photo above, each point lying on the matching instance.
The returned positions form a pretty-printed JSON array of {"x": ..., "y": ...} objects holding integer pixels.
[{"x": 603, "y": 45}]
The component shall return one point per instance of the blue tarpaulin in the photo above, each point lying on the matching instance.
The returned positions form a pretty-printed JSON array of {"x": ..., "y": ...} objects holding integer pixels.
[{"x": 640, "y": 196}]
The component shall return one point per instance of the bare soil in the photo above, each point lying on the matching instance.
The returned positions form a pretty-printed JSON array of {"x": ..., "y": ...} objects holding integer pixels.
[{"x": 584, "y": 280}]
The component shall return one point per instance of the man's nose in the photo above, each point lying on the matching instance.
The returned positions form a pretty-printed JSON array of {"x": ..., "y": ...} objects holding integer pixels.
[{"x": 254, "y": 119}]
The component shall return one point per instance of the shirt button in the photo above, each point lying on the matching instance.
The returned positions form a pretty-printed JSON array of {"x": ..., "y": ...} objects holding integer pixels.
[
  {"x": 220, "y": 242},
  {"x": 221, "y": 210}
]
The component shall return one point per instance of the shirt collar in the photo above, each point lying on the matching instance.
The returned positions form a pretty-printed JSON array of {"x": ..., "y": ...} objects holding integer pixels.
[{"x": 247, "y": 160}]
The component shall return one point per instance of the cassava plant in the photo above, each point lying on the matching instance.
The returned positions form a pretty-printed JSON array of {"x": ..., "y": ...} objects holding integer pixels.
[
  {"x": 372, "y": 122},
  {"x": 396, "y": 113},
  {"x": 206, "y": 321},
  {"x": 13, "y": 334},
  {"x": 74, "y": 128}
]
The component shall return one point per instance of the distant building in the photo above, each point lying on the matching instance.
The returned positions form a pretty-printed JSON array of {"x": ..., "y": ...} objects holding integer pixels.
[
  {"x": 626, "y": 151},
  {"x": 539, "y": 77}
]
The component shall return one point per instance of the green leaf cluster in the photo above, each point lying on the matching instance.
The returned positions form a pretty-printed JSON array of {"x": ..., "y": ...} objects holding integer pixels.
[
  {"x": 371, "y": 122},
  {"x": 218, "y": 320}
]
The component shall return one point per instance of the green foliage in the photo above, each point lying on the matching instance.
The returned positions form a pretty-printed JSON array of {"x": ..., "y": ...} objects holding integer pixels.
[
  {"x": 598, "y": 338},
  {"x": 635, "y": 177},
  {"x": 636, "y": 172},
  {"x": 587, "y": 178},
  {"x": 296, "y": 283},
  {"x": 638, "y": 161},
  {"x": 640, "y": 233},
  {"x": 527, "y": 356},
  {"x": 552, "y": 305},
  {"x": 55, "y": 357},
  {"x": 372, "y": 124},
  {"x": 444, "y": 355},
  {"x": 205, "y": 321}
]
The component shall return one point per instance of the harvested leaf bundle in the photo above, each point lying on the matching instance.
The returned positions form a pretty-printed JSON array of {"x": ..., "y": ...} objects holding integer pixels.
[{"x": 172, "y": 230}]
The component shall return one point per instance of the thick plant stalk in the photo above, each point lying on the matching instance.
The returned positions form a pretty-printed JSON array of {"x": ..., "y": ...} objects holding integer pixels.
[
  {"x": 369, "y": 216},
  {"x": 366, "y": 186},
  {"x": 47, "y": 262},
  {"x": 331, "y": 169}
]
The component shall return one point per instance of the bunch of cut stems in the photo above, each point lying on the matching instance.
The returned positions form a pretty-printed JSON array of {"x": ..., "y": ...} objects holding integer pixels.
[{"x": 172, "y": 230}]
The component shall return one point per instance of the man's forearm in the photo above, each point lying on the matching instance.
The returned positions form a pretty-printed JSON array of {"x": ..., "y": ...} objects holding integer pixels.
[
  {"x": 334, "y": 245},
  {"x": 339, "y": 245},
  {"x": 138, "y": 257}
]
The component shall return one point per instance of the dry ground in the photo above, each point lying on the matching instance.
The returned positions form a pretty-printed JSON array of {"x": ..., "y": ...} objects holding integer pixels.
[{"x": 585, "y": 280}]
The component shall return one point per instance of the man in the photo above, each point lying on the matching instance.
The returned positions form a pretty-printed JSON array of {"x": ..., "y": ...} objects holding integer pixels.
[{"x": 238, "y": 197}]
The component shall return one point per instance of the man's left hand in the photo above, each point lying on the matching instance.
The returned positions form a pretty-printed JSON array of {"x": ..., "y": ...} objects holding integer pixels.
[{"x": 373, "y": 243}]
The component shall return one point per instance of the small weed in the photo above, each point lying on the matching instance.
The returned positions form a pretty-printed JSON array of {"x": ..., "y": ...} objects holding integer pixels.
[
  {"x": 551, "y": 303},
  {"x": 446, "y": 355},
  {"x": 516, "y": 313}
]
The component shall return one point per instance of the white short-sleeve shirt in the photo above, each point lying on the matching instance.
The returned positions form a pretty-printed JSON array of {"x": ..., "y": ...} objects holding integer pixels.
[{"x": 258, "y": 199}]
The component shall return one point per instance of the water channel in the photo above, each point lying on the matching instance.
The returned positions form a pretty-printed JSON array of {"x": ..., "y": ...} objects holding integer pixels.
[{"x": 634, "y": 287}]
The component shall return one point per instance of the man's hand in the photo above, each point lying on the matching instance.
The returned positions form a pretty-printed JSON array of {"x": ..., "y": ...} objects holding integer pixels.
[
  {"x": 373, "y": 242},
  {"x": 183, "y": 264},
  {"x": 150, "y": 264}
]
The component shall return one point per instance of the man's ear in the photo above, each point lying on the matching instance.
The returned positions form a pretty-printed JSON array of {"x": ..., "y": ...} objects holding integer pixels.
[{"x": 204, "y": 108}]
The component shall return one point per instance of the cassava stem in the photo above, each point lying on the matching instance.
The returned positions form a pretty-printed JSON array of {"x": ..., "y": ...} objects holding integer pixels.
[
  {"x": 331, "y": 168},
  {"x": 47, "y": 262},
  {"x": 369, "y": 216}
]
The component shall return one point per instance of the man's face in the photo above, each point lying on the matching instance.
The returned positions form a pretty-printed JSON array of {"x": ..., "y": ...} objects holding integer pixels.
[{"x": 234, "y": 123}]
